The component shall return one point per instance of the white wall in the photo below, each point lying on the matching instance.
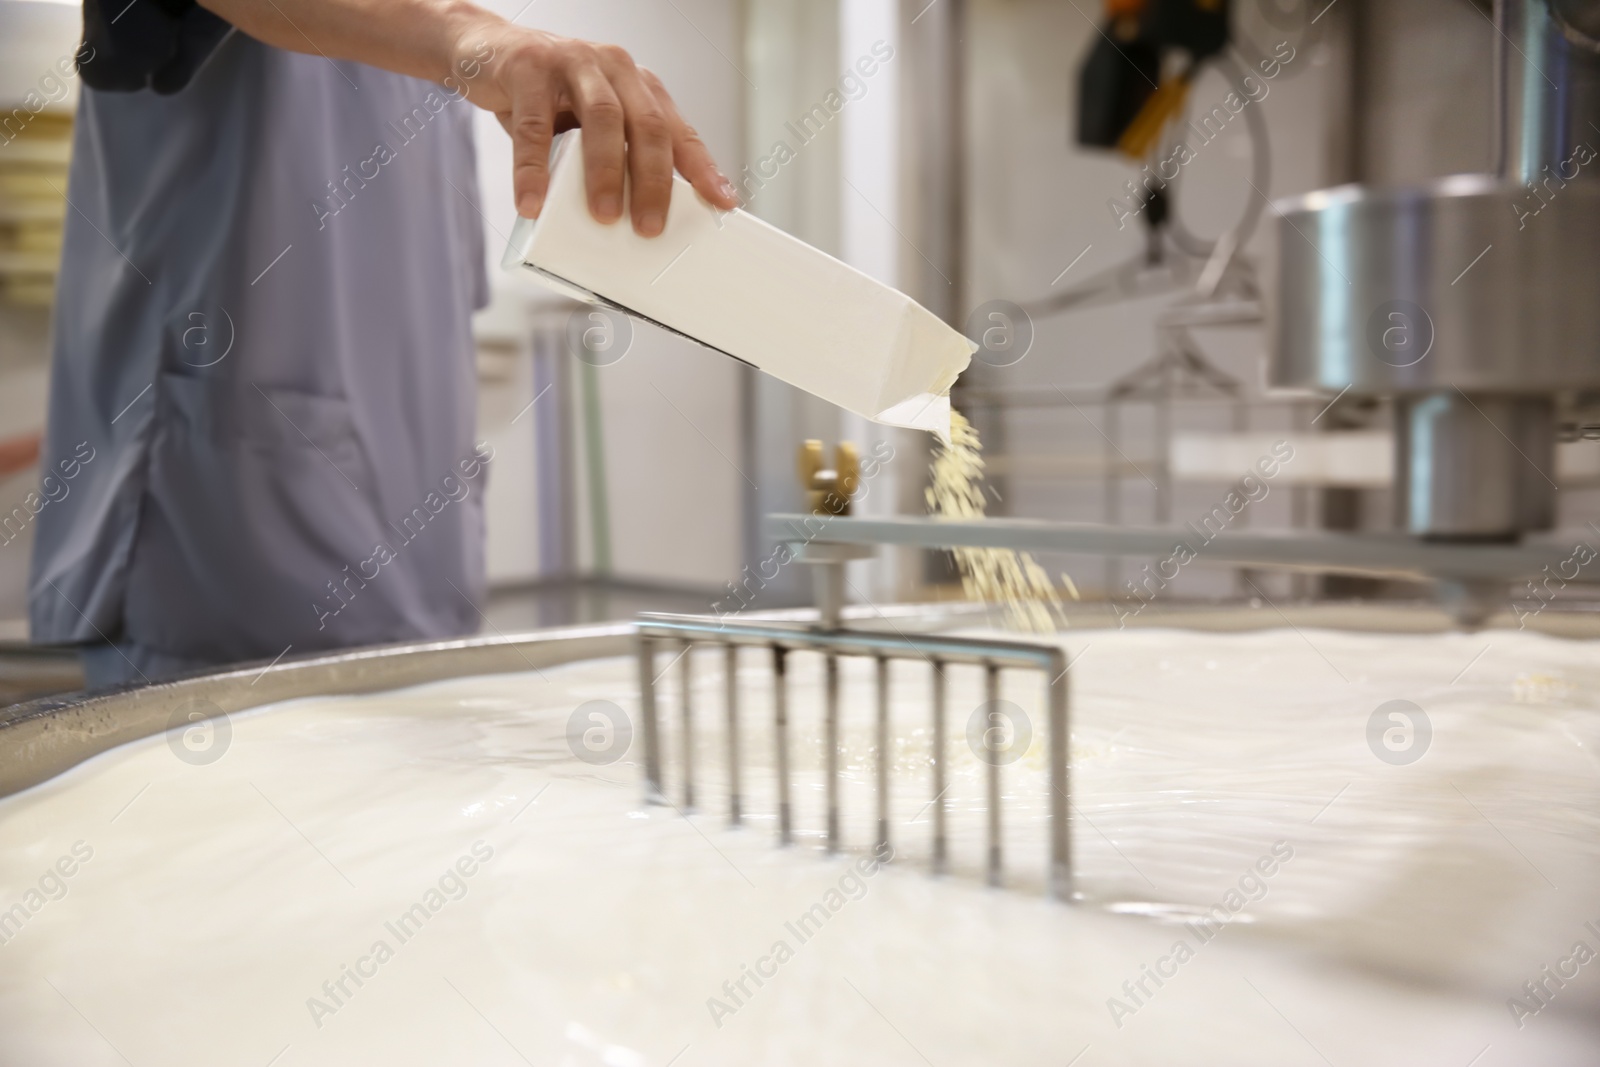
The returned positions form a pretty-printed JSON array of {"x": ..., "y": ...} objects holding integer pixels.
[
  {"x": 871, "y": 241},
  {"x": 674, "y": 494}
]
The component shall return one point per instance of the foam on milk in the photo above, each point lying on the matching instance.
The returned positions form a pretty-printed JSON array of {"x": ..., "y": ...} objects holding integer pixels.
[{"x": 1388, "y": 913}]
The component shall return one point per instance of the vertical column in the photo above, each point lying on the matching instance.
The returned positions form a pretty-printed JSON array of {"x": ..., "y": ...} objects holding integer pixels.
[
  {"x": 553, "y": 454},
  {"x": 991, "y": 696},
  {"x": 883, "y": 753},
  {"x": 647, "y": 712},
  {"x": 780, "y": 725},
  {"x": 731, "y": 672},
  {"x": 687, "y": 675},
  {"x": 1112, "y": 486},
  {"x": 831, "y": 756},
  {"x": 939, "y": 770},
  {"x": 1060, "y": 780}
]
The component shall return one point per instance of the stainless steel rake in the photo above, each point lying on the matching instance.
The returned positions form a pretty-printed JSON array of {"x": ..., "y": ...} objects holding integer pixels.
[{"x": 656, "y": 631}]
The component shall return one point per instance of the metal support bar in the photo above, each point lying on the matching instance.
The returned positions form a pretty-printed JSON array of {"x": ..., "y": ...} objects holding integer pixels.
[
  {"x": 731, "y": 678},
  {"x": 883, "y": 754},
  {"x": 831, "y": 755},
  {"x": 780, "y": 725},
  {"x": 937, "y": 759},
  {"x": 1060, "y": 786},
  {"x": 827, "y": 579},
  {"x": 1384, "y": 555},
  {"x": 687, "y": 677},
  {"x": 653, "y": 793},
  {"x": 976, "y": 651},
  {"x": 991, "y": 697}
]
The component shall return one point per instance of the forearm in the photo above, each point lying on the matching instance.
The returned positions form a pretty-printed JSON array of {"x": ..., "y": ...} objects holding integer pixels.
[
  {"x": 423, "y": 38},
  {"x": 535, "y": 83}
]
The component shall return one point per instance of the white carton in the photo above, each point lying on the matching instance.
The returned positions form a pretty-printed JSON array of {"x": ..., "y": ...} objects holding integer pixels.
[{"x": 747, "y": 289}]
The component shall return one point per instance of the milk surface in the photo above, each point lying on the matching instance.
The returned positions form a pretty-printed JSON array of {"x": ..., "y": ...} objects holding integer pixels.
[{"x": 432, "y": 876}]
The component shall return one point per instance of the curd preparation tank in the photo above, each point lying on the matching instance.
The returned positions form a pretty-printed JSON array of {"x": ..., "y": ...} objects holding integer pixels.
[{"x": 421, "y": 854}]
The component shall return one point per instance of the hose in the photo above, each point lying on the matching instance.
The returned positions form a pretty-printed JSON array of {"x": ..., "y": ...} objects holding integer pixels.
[{"x": 1260, "y": 177}]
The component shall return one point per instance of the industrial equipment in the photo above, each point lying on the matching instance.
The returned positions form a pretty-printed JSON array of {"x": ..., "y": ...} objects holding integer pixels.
[
  {"x": 1451, "y": 300},
  {"x": 940, "y": 652},
  {"x": 829, "y": 492},
  {"x": 1455, "y": 299},
  {"x": 1182, "y": 791},
  {"x": 1139, "y": 69}
]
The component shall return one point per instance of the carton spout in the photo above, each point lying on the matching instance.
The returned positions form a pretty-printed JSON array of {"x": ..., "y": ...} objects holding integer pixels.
[
  {"x": 516, "y": 253},
  {"x": 925, "y": 411}
]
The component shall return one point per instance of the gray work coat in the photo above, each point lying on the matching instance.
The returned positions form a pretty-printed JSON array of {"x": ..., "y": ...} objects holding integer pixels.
[{"x": 262, "y": 341}]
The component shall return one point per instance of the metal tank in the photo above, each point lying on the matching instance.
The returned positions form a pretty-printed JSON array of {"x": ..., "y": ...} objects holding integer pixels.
[{"x": 1462, "y": 299}]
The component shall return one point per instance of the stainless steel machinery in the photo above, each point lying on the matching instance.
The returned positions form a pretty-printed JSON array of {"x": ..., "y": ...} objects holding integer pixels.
[
  {"x": 1462, "y": 303},
  {"x": 1462, "y": 300},
  {"x": 832, "y": 640},
  {"x": 829, "y": 492}
]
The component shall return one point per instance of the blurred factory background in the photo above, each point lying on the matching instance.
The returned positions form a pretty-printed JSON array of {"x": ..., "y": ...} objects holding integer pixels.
[{"x": 1132, "y": 391}]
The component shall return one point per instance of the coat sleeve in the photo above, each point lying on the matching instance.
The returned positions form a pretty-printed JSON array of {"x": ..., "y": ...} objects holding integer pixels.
[{"x": 130, "y": 45}]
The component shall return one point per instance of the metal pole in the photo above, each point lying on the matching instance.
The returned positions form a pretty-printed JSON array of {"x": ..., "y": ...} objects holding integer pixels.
[
  {"x": 831, "y": 758},
  {"x": 828, "y": 585},
  {"x": 991, "y": 697},
  {"x": 1241, "y": 423},
  {"x": 1113, "y": 489},
  {"x": 781, "y": 738},
  {"x": 1163, "y": 413},
  {"x": 653, "y": 793},
  {"x": 883, "y": 754},
  {"x": 731, "y": 672},
  {"x": 1060, "y": 782},
  {"x": 688, "y": 728},
  {"x": 938, "y": 768}
]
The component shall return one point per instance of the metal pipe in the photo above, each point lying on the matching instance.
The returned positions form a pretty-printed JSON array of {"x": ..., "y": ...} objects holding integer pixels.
[
  {"x": 1163, "y": 417},
  {"x": 970, "y": 650},
  {"x": 731, "y": 678},
  {"x": 883, "y": 754},
  {"x": 991, "y": 696},
  {"x": 1111, "y": 455},
  {"x": 1547, "y": 82},
  {"x": 939, "y": 770},
  {"x": 934, "y": 42},
  {"x": 688, "y": 726},
  {"x": 780, "y": 702},
  {"x": 1474, "y": 468},
  {"x": 554, "y": 444},
  {"x": 831, "y": 755},
  {"x": 594, "y": 463},
  {"x": 1060, "y": 781},
  {"x": 653, "y": 793},
  {"x": 1383, "y": 554},
  {"x": 827, "y": 582}
]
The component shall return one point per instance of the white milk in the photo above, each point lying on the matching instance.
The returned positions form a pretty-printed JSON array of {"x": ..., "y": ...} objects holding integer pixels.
[{"x": 221, "y": 906}]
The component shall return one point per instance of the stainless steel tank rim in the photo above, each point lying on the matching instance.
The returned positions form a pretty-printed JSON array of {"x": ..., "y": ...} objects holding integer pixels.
[{"x": 42, "y": 738}]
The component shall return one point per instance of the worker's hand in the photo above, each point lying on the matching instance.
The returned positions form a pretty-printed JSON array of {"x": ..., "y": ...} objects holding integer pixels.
[{"x": 539, "y": 85}]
